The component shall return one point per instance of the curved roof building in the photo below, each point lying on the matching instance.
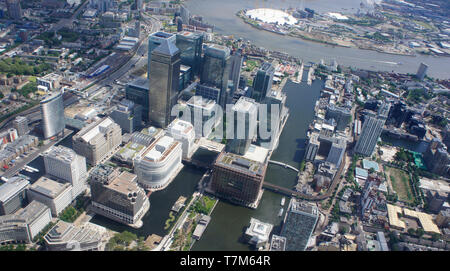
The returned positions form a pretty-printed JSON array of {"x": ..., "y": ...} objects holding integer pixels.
[
  {"x": 158, "y": 163},
  {"x": 52, "y": 112}
]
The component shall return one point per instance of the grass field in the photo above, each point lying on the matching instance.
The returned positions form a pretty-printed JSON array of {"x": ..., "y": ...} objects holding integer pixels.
[{"x": 401, "y": 184}]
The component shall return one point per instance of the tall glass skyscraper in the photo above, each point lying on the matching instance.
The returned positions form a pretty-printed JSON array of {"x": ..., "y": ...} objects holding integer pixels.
[
  {"x": 216, "y": 69},
  {"x": 52, "y": 112},
  {"x": 154, "y": 40},
  {"x": 263, "y": 81},
  {"x": 235, "y": 69},
  {"x": 164, "y": 82},
  {"x": 371, "y": 131},
  {"x": 190, "y": 45}
]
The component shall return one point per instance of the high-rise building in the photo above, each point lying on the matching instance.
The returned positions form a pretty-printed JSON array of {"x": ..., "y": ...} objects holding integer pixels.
[
  {"x": 64, "y": 164},
  {"x": 21, "y": 125},
  {"x": 437, "y": 158},
  {"x": 298, "y": 225},
  {"x": 190, "y": 45},
  {"x": 422, "y": 71},
  {"x": 263, "y": 81},
  {"x": 371, "y": 131},
  {"x": 57, "y": 196},
  {"x": 183, "y": 132},
  {"x": 25, "y": 224},
  {"x": 117, "y": 196},
  {"x": 208, "y": 92},
  {"x": 216, "y": 70},
  {"x": 98, "y": 140},
  {"x": 185, "y": 14},
  {"x": 164, "y": 82},
  {"x": 154, "y": 40},
  {"x": 13, "y": 195},
  {"x": 52, "y": 112},
  {"x": 341, "y": 115},
  {"x": 236, "y": 60},
  {"x": 14, "y": 9},
  {"x": 137, "y": 92},
  {"x": 237, "y": 179},
  {"x": 158, "y": 164},
  {"x": 202, "y": 114},
  {"x": 128, "y": 115},
  {"x": 244, "y": 125}
]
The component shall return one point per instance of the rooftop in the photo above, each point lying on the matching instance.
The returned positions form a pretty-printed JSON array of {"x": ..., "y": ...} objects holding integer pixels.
[
  {"x": 240, "y": 163},
  {"x": 13, "y": 186},
  {"x": 125, "y": 183},
  {"x": 49, "y": 187}
]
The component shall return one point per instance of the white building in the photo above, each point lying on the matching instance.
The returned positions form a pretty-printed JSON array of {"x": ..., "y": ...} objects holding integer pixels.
[
  {"x": 56, "y": 196},
  {"x": 183, "y": 131},
  {"x": 50, "y": 81},
  {"x": 98, "y": 140},
  {"x": 63, "y": 163},
  {"x": 66, "y": 236},
  {"x": 158, "y": 164},
  {"x": 258, "y": 232},
  {"x": 24, "y": 225}
]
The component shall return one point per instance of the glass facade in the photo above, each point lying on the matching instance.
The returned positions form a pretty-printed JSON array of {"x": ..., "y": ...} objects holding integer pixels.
[
  {"x": 52, "y": 112},
  {"x": 216, "y": 69},
  {"x": 154, "y": 40},
  {"x": 190, "y": 45},
  {"x": 137, "y": 92},
  {"x": 164, "y": 83},
  {"x": 263, "y": 81}
]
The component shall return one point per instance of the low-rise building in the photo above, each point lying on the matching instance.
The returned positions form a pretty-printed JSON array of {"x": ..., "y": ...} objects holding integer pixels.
[
  {"x": 66, "y": 236},
  {"x": 13, "y": 195},
  {"x": 257, "y": 234}
]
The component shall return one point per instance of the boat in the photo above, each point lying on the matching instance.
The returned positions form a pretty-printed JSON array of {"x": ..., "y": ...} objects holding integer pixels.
[
  {"x": 282, "y": 201},
  {"x": 280, "y": 213}
]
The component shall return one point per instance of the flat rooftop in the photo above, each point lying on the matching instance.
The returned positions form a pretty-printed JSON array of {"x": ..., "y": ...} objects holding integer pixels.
[
  {"x": 257, "y": 153},
  {"x": 199, "y": 101},
  {"x": 240, "y": 163},
  {"x": 48, "y": 187},
  {"x": 13, "y": 186},
  {"x": 125, "y": 183}
]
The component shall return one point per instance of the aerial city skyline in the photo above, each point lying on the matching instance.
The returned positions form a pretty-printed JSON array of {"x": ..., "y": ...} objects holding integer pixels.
[{"x": 199, "y": 126}]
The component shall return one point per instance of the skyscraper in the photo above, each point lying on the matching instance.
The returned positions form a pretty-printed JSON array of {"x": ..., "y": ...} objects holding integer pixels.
[
  {"x": 216, "y": 69},
  {"x": 244, "y": 125},
  {"x": 235, "y": 69},
  {"x": 263, "y": 81},
  {"x": 154, "y": 40},
  {"x": 422, "y": 71},
  {"x": 14, "y": 9},
  {"x": 371, "y": 131},
  {"x": 190, "y": 45},
  {"x": 63, "y": 163},
  {"x": 128, "y": 115},
  {"x": 52, "y": 112},
  {"x": 137, "y": 92},
  {"x": 299, "y": 223},
  {"x": 164, "y": 82}
]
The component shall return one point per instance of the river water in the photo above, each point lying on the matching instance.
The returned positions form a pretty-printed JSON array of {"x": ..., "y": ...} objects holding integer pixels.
[{"x": 222, "y": 15}]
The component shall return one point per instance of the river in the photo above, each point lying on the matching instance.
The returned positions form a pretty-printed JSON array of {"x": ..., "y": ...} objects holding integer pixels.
[{"x": 222, "y": 15}]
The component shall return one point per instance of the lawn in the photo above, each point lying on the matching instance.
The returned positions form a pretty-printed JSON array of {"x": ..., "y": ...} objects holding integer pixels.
[{"x": 401, "y": 184}]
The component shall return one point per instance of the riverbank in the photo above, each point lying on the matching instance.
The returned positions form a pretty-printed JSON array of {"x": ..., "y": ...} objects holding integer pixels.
[{"x": 255, "y": 24}]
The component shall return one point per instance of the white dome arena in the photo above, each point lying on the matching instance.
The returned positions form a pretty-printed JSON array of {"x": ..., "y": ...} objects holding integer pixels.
[{"x": 268, "y": 15}]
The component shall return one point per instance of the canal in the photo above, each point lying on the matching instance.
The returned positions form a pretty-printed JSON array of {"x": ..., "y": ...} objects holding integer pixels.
[{"x": 229, "y": 221}]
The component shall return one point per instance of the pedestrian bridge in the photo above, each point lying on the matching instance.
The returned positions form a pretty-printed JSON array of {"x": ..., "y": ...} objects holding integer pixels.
[{"x": 283, "y": 165}]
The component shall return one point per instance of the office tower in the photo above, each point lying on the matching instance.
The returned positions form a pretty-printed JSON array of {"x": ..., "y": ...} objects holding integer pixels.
[
  {"x": 341, "y": 115},
  {"x": 14, "y": 9},
  {"x": 157, "y": 165},
  {"x": 63, "y": 235},
  {"x": 299, "y": 224},
  {"x": 154, "y": 40},
  {"x": 185, "y": 14},
  {"x": 137, "y": 92},
  {"x": 275, "y": 118},
  {"x": 190, "y": 45},
  {"x": 208, "y": 92},
  {"x": 13, "y": 195},
  {"x": 244, "y": 125},
  {"x": 117, "y": 196},
  {"x": 437, "y": 158},
  {"x": 52, "y": 112},
  {"x": 21, "y": 125},
  {"x": 63, "y": 163},
  {"x": 57, "y": 196},
  {"x": 237, "y": 178},
  {"x": 25, "y": 224},
  {"x": 216, "y": 69},
  {"x": 371, "y": 131},
  {"x": 263, "y": 81},
  {"x": 422, "y": 71},
  {"x": 436, "y": 200},
  {"x": 258, "y": 233},
  {"x": 98, "y": 140},
  {"x": 185, "y": 77},
  {"x": 164, "y": 82},
  {"x": 203, "y": 112},
  {"x": 183, "y": 132},
  {"x": 236, "y": 60},
  {"x": 128, "y": 115}
]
